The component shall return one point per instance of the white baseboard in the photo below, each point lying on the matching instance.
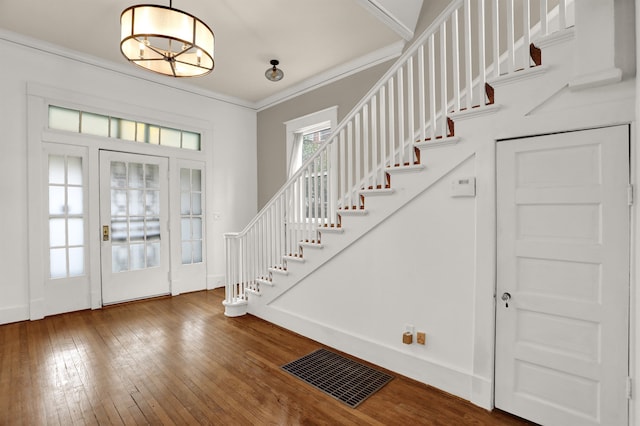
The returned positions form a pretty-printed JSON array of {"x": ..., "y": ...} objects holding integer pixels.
[
  {"x": 215, "y": 281},
  {"x": 446, "y": 378},
  {"x": 14, "y": 314}
]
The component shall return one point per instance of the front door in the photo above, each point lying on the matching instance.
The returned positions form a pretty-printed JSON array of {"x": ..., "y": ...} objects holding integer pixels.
[
  {"x": 134, "y": 214},
  {"x": 562, "y": 316}
]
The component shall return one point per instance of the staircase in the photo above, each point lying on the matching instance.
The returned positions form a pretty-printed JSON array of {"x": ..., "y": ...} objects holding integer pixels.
[{"x": 382, "y": 155}]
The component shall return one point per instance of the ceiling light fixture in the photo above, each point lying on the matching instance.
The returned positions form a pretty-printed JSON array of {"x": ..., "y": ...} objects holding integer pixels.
[
  {"x": 274, "y": 73},
  {"x": 166, "y": 40}
]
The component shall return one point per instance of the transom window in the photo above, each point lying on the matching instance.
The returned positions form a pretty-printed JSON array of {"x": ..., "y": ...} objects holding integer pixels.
[{"x": 72, "y": 120}]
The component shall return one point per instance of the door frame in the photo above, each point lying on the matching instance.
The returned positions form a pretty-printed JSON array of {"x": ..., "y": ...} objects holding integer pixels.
[
  {"x": 39, "y": 98},
  {"x": 632, "y": 329},
  {"x": 164, "y": 225}
]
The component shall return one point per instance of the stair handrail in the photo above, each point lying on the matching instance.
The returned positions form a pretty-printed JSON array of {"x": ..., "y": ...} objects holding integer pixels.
[{"x": 429, "y": 31}]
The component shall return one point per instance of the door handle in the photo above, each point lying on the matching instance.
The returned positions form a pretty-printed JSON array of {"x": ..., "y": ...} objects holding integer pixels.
[
  {"x": 105, "y": 233},
  {"x": 505, "y": 298}
]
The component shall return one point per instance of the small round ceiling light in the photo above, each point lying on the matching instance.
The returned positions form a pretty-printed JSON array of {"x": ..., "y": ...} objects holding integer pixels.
[
  {"x": 274, "y": 73},
  {"x": 166, "y": 40}
]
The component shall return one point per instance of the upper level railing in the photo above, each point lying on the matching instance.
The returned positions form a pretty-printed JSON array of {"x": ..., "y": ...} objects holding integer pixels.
[{"x": 445, "y": 70}]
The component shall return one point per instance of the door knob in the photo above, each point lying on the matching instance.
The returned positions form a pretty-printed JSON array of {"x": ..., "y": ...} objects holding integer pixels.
[{"x": 505, "y": 298}]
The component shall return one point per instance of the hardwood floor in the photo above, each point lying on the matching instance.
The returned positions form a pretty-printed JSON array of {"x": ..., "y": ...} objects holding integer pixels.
[{"x": 181, "y": 361}]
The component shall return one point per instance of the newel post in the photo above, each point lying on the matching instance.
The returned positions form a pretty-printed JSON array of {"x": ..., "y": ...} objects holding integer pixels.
[
  {"x": 595, "y": 38},
  {"x": 235, "y": 303}
]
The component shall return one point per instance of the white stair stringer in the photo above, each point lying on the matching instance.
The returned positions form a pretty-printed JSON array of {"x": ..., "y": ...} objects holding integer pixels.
[{"x": 407, "y": 183}]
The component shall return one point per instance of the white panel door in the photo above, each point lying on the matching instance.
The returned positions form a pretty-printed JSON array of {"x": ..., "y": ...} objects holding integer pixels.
[
  {"x": 134, "y": 214},
  {"x": 563, "y": 258}
]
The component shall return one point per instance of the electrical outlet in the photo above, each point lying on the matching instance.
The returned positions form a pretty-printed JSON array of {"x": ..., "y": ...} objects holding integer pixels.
[
  {"x": 421, "y": 338},
  {"x": 407, "y": 338}
]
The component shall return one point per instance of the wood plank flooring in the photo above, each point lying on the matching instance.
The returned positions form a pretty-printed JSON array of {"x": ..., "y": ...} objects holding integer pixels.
[{"x": 180, "y": 361}]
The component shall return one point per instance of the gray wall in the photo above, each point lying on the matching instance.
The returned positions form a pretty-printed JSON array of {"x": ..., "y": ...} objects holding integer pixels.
[{"x": 344, "y": 93}]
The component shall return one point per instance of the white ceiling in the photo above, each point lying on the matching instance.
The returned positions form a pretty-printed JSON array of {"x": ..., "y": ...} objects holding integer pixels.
[{"x": 315, "y": 40}]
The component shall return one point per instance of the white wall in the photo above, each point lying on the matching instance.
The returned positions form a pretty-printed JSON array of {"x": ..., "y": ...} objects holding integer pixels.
[{"x": 230, "y": 145}]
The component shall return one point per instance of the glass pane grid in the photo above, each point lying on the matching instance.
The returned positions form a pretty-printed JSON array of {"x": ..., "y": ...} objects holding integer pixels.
[
  {"x": 191, "y": 215},
  {"x": 135, "y": 216},
  {"x": 119, "y": 128},
  {"x": 66, "y": 217}
]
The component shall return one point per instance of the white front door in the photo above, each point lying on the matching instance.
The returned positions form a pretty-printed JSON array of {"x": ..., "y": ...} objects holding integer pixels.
[
  {"x": 134, "y": 214},
  {"x": 563, "y": 258}
]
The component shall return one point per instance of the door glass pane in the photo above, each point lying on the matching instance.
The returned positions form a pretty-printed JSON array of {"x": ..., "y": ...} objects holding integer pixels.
[
  {"x": 197, "y": 251},
  {"x": 58, "y": 263},
  {"x": 136, "y": 175},
  {"x": 118, "y": 174},
  {"x": 118, "y": 202},
  {"x": 136, "y": 229},
  {"x": 186, "y": 253},
  {"x": 196, "y": 203},
  {"x": 152, "y": 203},
  {"x": 57, "y": 202},
  {"x": 153, "y": 254},
  {"x": 196, "y": 228},
  {"x": 76, "y": 231},
  {"x": 186, "y": 229},
  {"x": 56, "y": 169},
  {"x": 185, "y": 180},
  {"x": 74, "y": 171},
  {"x": 119, "y": 258},
  {"x": 57, "y": 233},
  {"x": 136, "y": 202},
  {"x": 154, "y": 135},
  {"x": 153, "y": 229},
  {"x": 119, "y": 230},
  {"x": 76, "y": 261},
  {"x": 185, "y": 203},
  {"x": 75, "y": 200},
  {"x": 152, "y": 176},
  {"x": 138, "y": 260},
  {"x": 196, "y": 180}
]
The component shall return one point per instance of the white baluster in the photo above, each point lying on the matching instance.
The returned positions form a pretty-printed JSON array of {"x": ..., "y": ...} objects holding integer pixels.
[
  {"x": 411, "y": 110},
  {"x": 443, "y": 78},
  {"x": 544, "y": 18},
  {"x": 401, "y": 119},
  {"x": 455, "y": 60},
  {"x": 495, "y": 8},
  {"x": 468, "y": 54},
  {"x": 562, "y": 15},
  {"x": 511, "y": 58},
  {"x": 358, "y": 141},
  {"x": 422, "y": 113},
  {"x": 482, "y": 62},
  {"x": 526, "y": 36},
  {"x": 350, "y": 163},
  {"x": 383, "y": 129},
  {"x": 392, "y": 122},
  {"x": 374, "y": 139},
  {"x": 432, "y": 88},
  {"x": 365, "y": 138},
  {"x": 343, "y": 170}
]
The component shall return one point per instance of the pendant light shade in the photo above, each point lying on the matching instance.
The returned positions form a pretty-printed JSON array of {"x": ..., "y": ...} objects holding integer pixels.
[
  {"x": 274, "y": 73},
  {"x": 166, "y": 40}
]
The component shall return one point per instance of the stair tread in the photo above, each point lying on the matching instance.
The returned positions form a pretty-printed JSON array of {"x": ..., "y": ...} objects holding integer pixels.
[
  {"x": 374, "y": 192},
  {"x": 439, "y": 142},
  {"x": 298, "y": 259}
]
